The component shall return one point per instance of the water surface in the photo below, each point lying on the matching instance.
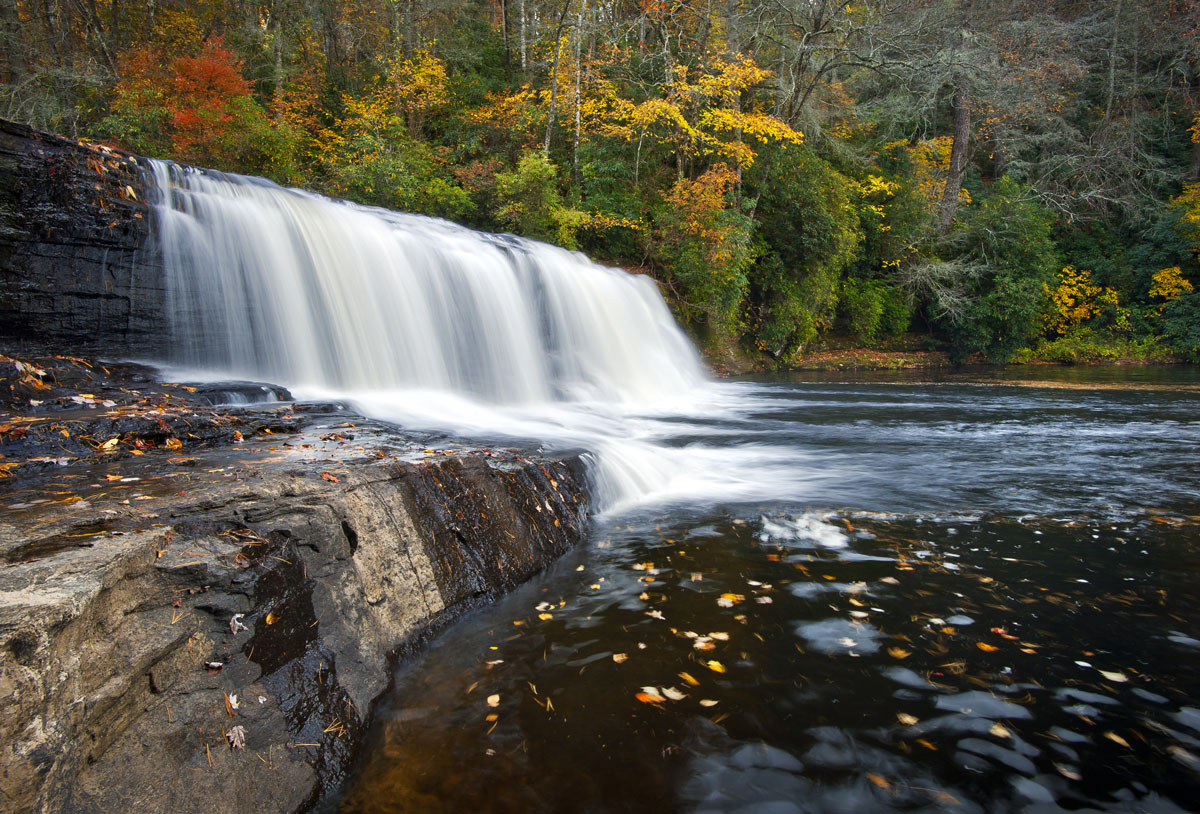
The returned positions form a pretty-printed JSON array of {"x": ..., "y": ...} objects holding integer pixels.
[{"x": 979, "y": 596}]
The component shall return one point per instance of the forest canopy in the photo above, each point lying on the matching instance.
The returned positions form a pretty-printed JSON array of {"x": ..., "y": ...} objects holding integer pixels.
[{"x": 1009, "y": 179}]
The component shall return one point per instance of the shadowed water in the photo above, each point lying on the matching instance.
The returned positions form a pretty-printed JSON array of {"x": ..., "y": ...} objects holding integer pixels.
[{"x": 991, "y": 607}]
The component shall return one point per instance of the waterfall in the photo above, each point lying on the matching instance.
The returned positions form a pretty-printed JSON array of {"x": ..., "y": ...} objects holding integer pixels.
[
  {"x": 282, "y": 285},
  {"x": 434, "y": 326}
]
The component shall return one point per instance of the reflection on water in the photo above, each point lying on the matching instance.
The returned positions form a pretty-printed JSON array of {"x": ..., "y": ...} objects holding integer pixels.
[{"x": 992, "y": 610}]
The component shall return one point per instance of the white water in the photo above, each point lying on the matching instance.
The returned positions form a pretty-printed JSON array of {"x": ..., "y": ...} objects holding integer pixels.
[{"x": 433, "y": 326}]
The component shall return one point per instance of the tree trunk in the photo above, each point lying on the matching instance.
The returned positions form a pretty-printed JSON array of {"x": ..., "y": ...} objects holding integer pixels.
[
  {"x": 578, "y": 88},
  {"x": 504, "y": 31},
  {"x": 12, "y": 45},
  {"x": 558, "y": 29},
  {"x": 521, "y": 10},
  {"x": 958, "y": 153},
  {"x": 1112, "y": 64}
]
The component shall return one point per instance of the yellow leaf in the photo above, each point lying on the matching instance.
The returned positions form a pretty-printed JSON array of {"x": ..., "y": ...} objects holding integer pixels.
[
  {"x": 906, "y": 719},
  {"x": 1115, "y": 738},
  {"x": 1000, "y": 730},
  {"x": 688, "y": 678},
  {"x": 899, "y": 652},
  {"x": 987, "y": 648},
  {"x": 715, "y": 666}
]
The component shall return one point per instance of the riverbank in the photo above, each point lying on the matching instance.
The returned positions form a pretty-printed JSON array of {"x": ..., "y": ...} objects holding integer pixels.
[
  {"x": 912, "y": 352},
  {"x": 202, "y": 603}
]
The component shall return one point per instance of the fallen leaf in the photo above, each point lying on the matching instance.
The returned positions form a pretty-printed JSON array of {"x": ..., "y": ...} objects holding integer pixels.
[
  {"x": 173, "y": 443},
  {"x": 987, "y": 648},
  {"x": 330, "y": 477},
  {"x": 879, "y": 781},
  {"x": 715, "y": 666},
  {"x": 1114, "y": 676},
  {"x": 906, "y": 719},
  {"x": 1000, "y": 730},
  {"x": 493, "y": 700},
  {"x": 1115, "y": 738},
  {"x": 236, "y": 737},
  {"x": 1068, "y": 772},
  {"x": 650, "y": 695},
  {"x": 271, "y": 618},
  {"x": 673, "y": 694},
  {"x": 899, "y": 652},
  {"x": 688, "y": 678},
  {"x": 620, "y": 658}
]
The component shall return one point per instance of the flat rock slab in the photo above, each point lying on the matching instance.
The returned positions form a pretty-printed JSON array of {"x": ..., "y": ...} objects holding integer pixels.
[{"x": 199, "y": 604}]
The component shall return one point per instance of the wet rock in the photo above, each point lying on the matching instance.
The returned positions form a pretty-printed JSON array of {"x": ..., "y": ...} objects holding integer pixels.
[
  {"x": 333, "y": 541},
  {"x": 78, "y": 263}
]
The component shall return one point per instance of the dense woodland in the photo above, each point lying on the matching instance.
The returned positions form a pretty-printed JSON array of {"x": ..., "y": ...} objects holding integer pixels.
[{"x": 1007, "y": 179}]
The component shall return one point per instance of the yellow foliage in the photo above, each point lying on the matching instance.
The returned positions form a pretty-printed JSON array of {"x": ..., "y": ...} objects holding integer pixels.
[
  {"x": 1169, "y": 283},
  {"x": 1077, "y": 299},
  {"x": 1189, "y": 200},
  {"x": 931, "y": 166}
]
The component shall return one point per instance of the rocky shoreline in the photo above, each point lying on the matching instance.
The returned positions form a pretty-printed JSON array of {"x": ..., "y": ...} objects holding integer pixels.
[{"x": 200, "y": 604}]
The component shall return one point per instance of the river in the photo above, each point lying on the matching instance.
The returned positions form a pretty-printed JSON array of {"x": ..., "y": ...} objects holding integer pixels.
[
  {"x": 982, "y": 600},
  {"x": 960, "y": 592}
]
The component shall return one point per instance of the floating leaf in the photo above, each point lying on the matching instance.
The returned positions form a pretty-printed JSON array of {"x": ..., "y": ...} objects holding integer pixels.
[
  {"x": 493, "y": 700},
  {"x": 650, "y": 695},
  {"x": 987, "y": 648},
  {"x": 1115, "y": 738},
  {"x": 1000, "y": 730},
  {"x": 688, "y": 678},
  {"x": 271, "y": 618},
  {"x": 879, "y": 781},
  {"x": 906, "y": 719},
  {"x": 715, "y": 666},
  {"x": 1114, "y": 676},
  {"x": 708, "y": 702},
  {"x": 899, "y": 652},
  {"x": 673, "y": 694},
  {"x": 1068, "y": 772}
]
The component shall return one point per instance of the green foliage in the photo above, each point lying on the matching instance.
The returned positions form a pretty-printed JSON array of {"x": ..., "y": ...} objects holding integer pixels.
[
  {"x": 1084, "y": 345},
  {"x": 1008, "y": 234},
  {"x": 704, "y": 244},
  {"x": 810, "y": 230},
  {"x": 1181, "y": 326},
  {"x": 528, "y": 197}
]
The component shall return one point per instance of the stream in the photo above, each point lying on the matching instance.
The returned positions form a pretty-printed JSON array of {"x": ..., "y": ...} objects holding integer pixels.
[{"x": 980, "y": 597}]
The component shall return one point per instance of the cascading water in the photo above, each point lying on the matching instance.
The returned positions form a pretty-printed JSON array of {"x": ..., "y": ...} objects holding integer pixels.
[{"x": 436, "y": 326}]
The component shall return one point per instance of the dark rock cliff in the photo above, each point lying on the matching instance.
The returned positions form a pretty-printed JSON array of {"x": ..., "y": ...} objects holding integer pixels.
[{"x": 78, "y": 266}]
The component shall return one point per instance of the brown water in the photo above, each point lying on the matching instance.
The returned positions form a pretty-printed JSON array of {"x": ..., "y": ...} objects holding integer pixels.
[{"x": 985, "y": 601}]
